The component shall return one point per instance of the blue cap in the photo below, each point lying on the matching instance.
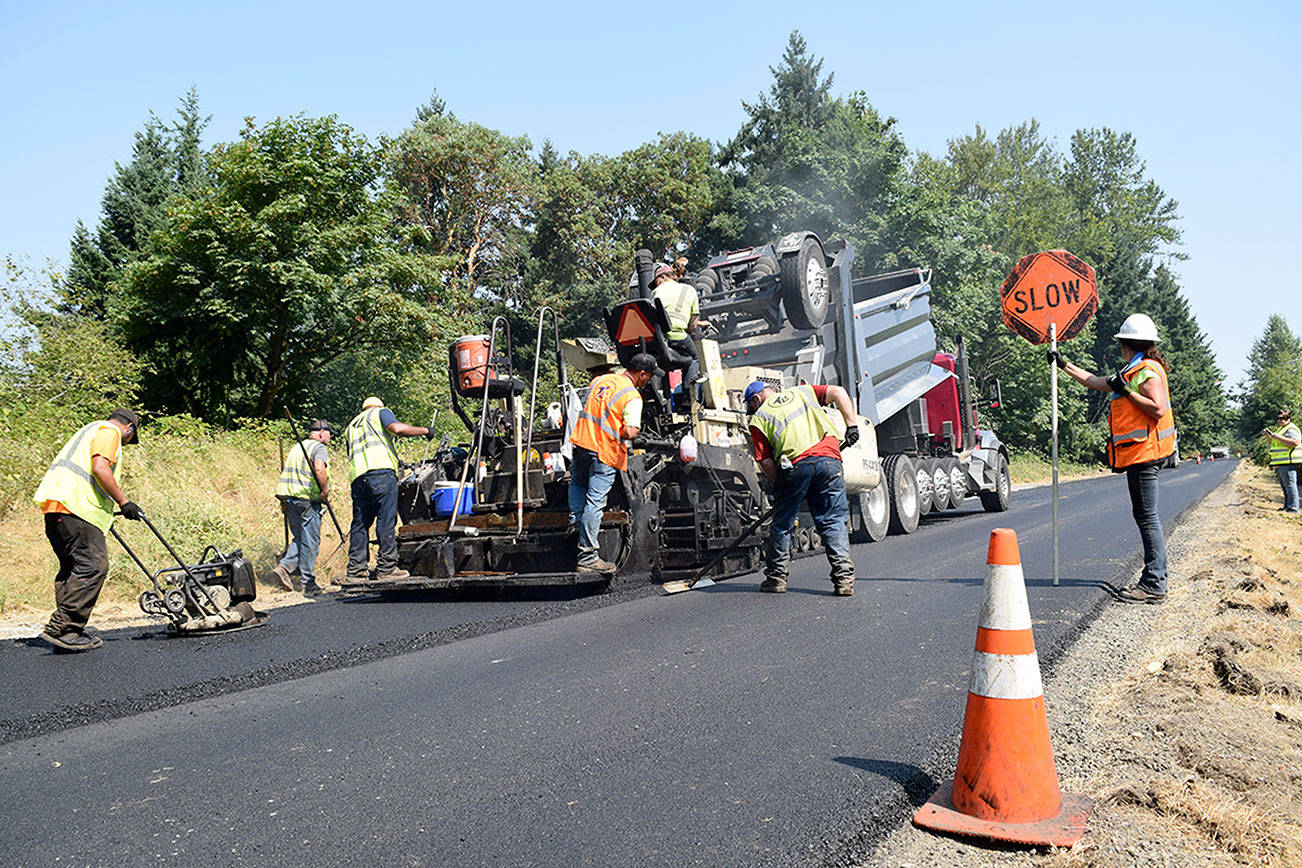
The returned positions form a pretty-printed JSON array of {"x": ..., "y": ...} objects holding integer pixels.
[{"x": 755, "y": 388}]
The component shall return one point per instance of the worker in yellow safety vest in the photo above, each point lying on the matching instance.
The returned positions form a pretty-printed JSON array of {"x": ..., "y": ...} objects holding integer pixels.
[
  {"x": 797, "y": 448},
  {"x": 611, "y": 415},
  {"x": 303, "y": 489},
  {"x": 683, "y": 310},
  {"x": 1141, "y": 439},
  {"x": 78, "y": 496},
  {"x": 1286, "y": 457},
  {"x": 373, "y": 470}
]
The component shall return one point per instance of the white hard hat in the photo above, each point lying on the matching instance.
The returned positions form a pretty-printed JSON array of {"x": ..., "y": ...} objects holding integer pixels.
[
  {"x": 1138, "y": 327},
  {"x": 372, "y": 402}
]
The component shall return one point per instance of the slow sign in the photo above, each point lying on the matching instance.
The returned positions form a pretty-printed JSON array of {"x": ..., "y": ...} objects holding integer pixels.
[{"x": 1046, "y": 288}]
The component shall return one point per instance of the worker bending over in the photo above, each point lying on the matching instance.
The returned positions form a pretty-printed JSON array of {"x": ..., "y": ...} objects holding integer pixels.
[
  {"x": 612, "y": 414},
  {"x": 303, "y": 489},
  {"x": 797, "y": 448},
  {"x": 78, "y": 495},
  {"x": 373, "y": 469}
]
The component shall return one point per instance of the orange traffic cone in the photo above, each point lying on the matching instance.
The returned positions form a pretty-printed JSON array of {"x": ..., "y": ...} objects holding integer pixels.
[{"x": 1006, "y": 785}]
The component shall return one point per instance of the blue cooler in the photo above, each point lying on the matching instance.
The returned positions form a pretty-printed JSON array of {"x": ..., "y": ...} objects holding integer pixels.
[{"x": 445, "y": 493}]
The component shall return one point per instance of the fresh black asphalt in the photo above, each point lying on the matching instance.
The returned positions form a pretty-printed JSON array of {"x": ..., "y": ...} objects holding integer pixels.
[{"x": 719, "y": 727}]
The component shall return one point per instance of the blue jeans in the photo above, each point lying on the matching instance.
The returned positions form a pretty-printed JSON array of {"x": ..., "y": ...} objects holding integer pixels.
[
  {"x": 375, "y": 499},
  {"x": 305, "y": 536},
  {"x": 590, "y": 482},
  {"x": 820, "y": 482},
  {"x": 1287, "y": 474},
  {"x": 1142, "y": 482}
]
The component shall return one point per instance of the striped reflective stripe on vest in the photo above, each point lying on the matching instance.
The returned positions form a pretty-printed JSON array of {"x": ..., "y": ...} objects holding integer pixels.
[
  {"x": 613, "y": 419},
  {"x": 780, "y": 425},
  {"x": 1137, "y": 434}
]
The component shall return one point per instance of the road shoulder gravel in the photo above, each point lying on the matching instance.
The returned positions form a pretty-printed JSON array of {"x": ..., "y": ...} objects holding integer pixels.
[{"x": 1183, "y": 721}]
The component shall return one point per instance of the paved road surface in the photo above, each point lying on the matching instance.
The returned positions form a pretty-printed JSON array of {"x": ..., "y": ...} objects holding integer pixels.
[{"x": 719, "y": 727}]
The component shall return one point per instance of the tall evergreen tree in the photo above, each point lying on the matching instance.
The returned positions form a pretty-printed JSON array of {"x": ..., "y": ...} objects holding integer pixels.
[
  {"x": 807, "y": 160},
  {"x": 165, "y": 159}
]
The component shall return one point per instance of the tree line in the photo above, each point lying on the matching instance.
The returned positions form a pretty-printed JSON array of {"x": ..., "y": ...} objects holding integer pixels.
[{"x": 305, "y": 264}]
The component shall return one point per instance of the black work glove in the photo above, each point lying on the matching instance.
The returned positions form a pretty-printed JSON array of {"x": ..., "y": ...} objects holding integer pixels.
[
  {"x": 1055, "y": 358},
  {"x": 429, "y": 435},
  {"x": 1117, "y": 384},
  {"x": 132, "y": 510},
  {"x": 851, "y": 435}
]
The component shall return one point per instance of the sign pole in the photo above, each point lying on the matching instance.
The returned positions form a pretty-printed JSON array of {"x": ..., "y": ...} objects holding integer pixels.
[{"x": 1053, "y": 398}]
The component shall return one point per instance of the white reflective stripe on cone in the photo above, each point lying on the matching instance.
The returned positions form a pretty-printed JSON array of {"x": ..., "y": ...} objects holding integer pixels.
[
  {"x": 1005, "y": 606},
  {"x": 1006, "y": 676}
]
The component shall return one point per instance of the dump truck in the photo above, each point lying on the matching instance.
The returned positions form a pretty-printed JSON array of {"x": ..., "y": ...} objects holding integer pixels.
[
  {"x": 493, "y": 511},
  {"x": 793, "y": 306}
]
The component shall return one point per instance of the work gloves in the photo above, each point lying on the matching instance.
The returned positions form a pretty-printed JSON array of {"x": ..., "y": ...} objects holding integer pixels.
[
  {"x": 429, "y": 434},
  {"x": 851, "y": 436},
  {"x": 1056, "y": 358},
  {"x": 1116, "y": 384},
  {"x": 132, "y": 510}
]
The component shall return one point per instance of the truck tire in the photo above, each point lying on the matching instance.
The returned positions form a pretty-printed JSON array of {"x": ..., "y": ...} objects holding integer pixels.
[
  {"x": 939, "y": 484},
  {"x": 763, "y": 267},
  {"x": 925, "y": 472},
  {"x": 870, "y": 515},
  {"x": 999, "y": 499},
  {"x": 902, "y": 486},
  {"x": 706, "y": 282},
  {"x": 805, "y": 286},
  {"x": 957, "y": 483}
]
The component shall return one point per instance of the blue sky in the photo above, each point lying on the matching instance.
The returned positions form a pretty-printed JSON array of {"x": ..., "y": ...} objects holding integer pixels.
[{"x": 1210, "y": 90}]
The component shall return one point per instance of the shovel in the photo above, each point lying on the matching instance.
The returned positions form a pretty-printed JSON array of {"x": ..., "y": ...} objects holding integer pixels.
[{"x": 679, "y": 585}]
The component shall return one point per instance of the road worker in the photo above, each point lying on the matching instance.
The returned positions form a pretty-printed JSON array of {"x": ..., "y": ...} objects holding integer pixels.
[
  {"x": 1141, "y": 439},
  {"x": 612, "y": 414},
  {"x": 303, "y": 489},
  {"x": 373, "y": 469},
  {"x": 1286, "y": 457},
  {"x": 78, "y": 496},
  {"x": 683, "y": 309},
  {"x": 796, "y": 446}
]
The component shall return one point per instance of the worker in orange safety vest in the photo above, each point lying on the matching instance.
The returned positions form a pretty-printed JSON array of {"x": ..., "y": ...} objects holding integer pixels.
[
  {"x": 1141, "y": 439},
  {"x": 612, "y": 414}
]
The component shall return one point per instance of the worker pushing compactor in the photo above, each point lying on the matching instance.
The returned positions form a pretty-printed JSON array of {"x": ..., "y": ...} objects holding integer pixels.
[
  {"x": 797, "y": 448},
  {"x": 78, "y": 495},
  {"x": 373, "y": 469}
]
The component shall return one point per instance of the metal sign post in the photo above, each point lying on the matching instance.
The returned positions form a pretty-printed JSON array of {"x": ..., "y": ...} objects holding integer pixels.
[{"x": 1053, "y": 449}]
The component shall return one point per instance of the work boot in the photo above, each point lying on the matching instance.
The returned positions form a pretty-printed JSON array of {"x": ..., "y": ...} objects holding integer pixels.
[
  {"x": 311, "y": 589},
  {"x": 843, "y": 587},
  {"x": 595, "y": 564},
  {"x": 1140, "y": 594},
  {"x": 280, "y": 576},
  {"x": 392, "y": 575},
  {"x": 72, "y": 642},
  {"x": 773, "y": 586}
]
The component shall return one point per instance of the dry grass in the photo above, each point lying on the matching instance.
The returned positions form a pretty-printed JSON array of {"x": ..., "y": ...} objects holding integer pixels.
[
  {"x": 1214, "y": 720},
  {"x": 214, "y": 488}
]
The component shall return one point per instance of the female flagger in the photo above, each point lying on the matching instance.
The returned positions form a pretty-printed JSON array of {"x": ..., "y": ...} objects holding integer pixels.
[{"x": 1141, "y": 439}]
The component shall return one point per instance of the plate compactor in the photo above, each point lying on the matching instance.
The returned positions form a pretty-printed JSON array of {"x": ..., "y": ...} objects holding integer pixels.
[{"x": 212, "y": 596}]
